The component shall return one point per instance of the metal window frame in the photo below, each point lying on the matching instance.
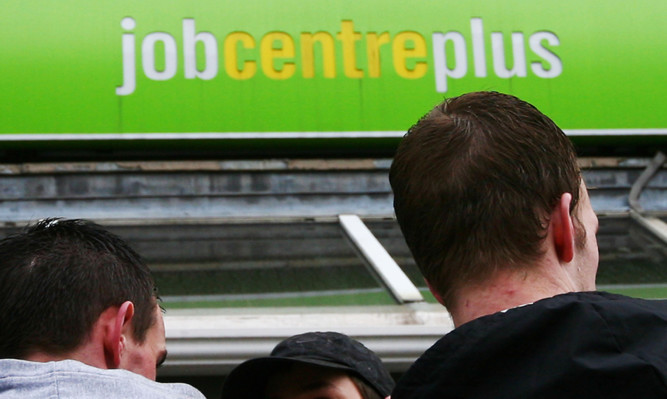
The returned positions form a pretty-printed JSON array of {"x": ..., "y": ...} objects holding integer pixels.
[
  {"x": 379, "y": 260},
  {"x": 214, "y": 341}
]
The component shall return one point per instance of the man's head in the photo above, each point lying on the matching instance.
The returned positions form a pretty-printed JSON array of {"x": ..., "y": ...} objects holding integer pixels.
[
  {"x": 60, "y": 278},
  {"x": 313, "y": 365},
  {"x": 475, "y": 182}
]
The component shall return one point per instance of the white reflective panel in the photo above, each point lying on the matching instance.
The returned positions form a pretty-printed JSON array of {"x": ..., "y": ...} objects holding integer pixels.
[{"x": 377, "y": 257}]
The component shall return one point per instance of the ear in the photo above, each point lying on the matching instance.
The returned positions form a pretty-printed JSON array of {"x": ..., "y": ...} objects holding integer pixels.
[
  {"x": 115, "y": 341},
  {"x": 435, "y": 293},
  {"x": 562, "y": 228}
]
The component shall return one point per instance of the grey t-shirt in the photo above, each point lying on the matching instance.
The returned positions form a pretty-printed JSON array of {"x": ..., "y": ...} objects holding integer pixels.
[{"x": 73, "y": 379}]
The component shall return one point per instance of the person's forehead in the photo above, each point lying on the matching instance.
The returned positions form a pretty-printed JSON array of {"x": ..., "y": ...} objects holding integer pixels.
[
  {"x": 583, "y": 194},
  {"x": 302, "y": 379},
  {"x": 159, "y": 317},
  {"x": 159, "y": 323},
  {"x": 160, "y": 340},
  {"x": 155, "y": 336}
]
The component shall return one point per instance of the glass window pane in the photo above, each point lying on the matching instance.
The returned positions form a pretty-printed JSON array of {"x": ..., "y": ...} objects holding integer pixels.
[
  {"x": 632, "y": 261},
  {"x": 255, "y": 264}
]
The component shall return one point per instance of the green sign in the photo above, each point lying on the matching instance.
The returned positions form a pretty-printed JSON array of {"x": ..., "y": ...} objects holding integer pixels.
[{"x": 176, "y": 66}]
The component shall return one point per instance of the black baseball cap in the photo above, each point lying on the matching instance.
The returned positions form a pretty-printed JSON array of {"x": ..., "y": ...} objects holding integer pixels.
[{"x": 324, "y": 349}]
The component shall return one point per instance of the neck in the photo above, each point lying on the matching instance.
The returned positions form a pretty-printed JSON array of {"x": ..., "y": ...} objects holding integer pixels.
[{"x": 506, "y": 290}]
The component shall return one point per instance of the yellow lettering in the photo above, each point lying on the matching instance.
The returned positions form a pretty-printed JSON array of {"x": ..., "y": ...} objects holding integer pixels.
[
  {"x": 348, "y": 37},
  {"x": 277, "y": 46},
  {"x": 402, "y": 52},
  {"x": 248, "y": 68},
  {"x": 373, "y": 43},
  {"x": 308, "y": 57}
]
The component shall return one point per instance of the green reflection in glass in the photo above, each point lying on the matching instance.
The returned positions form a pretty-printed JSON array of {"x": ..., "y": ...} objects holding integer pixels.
[{"x": 347, "y": 299}]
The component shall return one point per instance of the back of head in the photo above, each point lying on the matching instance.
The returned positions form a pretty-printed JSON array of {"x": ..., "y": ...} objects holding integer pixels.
[
  {"x": 57, "y": 277},
  {"x": 474, "y": 182}
]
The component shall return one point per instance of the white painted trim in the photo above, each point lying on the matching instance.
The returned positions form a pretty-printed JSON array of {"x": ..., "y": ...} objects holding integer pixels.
[
  {"x": 213, "y": 341},
  {"x": 278, "y": 135},
  {"x": 616, "y": 132},
  {"x": 198, "y": 136}
]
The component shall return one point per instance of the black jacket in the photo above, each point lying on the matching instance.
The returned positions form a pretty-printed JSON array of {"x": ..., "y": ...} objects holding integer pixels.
[{"x": 579, "y": 345}]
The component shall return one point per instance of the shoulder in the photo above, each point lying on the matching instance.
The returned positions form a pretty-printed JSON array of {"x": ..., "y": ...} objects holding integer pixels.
[
  {"x": 128, "y": 384},
  {"x": 584, "y": 318},
  {"x": 557, "y": 344},
  {"x": 70, "y": 379},
  {"x": 618, "y": 314}
]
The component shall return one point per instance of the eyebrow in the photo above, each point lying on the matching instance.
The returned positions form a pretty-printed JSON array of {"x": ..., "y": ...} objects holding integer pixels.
[{"x": 161, "y": 359}]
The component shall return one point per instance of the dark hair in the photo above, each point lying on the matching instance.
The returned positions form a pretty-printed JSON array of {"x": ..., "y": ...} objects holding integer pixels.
[
  {"x": 366, "y": 391},
  {"x": 58, "y": 276},
  {"x": 474, "y": 183}
]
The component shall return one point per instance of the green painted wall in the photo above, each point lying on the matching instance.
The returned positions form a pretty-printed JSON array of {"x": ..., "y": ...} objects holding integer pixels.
[{"x": 375, "y": 65}]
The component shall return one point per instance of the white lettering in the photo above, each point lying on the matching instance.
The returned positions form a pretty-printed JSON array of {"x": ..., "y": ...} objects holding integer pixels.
[
  {"x": 159, "y": 54},
  {"x": 129, "y": 70},
  {"x": 440, "y": 59},
  {"x": 190, "y": 40},
  {"x": 518, "y": 51},
  {"x": 148, "y": 56},
  {"x": 479, "y": 55},
  {"x": 535, "y": 43}
]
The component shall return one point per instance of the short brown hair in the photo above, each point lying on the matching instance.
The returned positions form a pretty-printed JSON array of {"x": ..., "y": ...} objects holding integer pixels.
[
  {"x": 474, "y": 182},
  {"x": 57, "y": 277}
]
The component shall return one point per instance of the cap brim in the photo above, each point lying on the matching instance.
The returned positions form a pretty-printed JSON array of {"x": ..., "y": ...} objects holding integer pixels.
[{"x": 248, "y": 380}]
